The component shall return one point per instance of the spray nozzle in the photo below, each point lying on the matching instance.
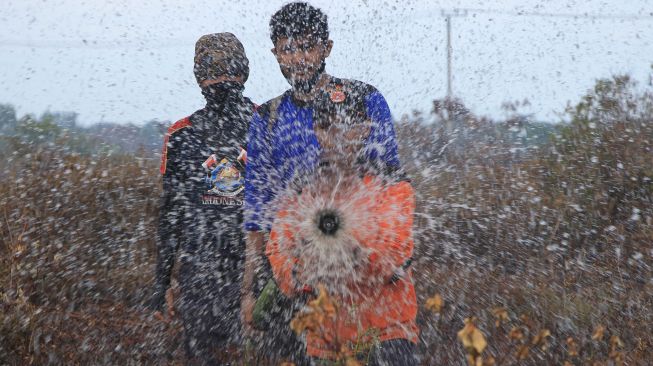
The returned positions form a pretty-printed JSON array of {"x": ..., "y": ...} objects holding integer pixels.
[{"x": 328, "y": 222}]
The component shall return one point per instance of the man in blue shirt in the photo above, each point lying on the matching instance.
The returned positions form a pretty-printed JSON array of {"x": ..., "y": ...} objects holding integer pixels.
[{"x": 282, "y": 142}]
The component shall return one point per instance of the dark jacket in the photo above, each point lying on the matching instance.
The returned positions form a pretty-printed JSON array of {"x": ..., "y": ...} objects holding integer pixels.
[{"x": 203, "y": 166}]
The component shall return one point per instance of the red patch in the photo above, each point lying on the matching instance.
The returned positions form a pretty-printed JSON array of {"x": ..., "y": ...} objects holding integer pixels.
[
  {"x": 182, "y": 123},
  {"x": 337, "y": 95}
]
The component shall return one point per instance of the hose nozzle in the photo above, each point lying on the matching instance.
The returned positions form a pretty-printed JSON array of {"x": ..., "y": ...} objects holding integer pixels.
[{"x": 328, "y": 222}]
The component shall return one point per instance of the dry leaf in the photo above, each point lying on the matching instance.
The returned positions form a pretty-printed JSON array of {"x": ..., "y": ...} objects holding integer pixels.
[
  {"x": 615, "y": 342},
  {"x": 516, "y": 334},
  {"x": 490, "y": 361},
  {"x": 350, "y": 361},
  {"x": 617, "y": 357},
  {"x": 500, "y": 315},
  {"x": 434, "y": 304},
  {"x": 598, "y": 333},
  {"x": 474, "y": 360},
  {"x": 522, "y": 352},
  {"x": 572, "y": 347},
  {"x": 313, "y": 317},
  {"x": 323, "y": 303},
  {"x": 306, "y": 320},
  {"x": 540, "y": 338},
  {"x": 472, "y": 338}
]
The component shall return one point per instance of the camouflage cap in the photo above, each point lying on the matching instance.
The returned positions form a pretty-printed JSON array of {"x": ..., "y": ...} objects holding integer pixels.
[{"x": 219, "y": 54}]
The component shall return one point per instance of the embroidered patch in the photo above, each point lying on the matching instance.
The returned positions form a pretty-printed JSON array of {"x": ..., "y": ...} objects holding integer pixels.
[
  {"x": 224, "y": 178},
  {"x": 337, "y": 95}
]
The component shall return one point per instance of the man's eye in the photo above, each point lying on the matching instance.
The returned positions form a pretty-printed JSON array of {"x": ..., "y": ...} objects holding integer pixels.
[{"x": 306, "y": 47}]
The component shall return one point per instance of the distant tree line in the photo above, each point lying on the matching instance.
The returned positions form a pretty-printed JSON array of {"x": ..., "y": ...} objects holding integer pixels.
[{"x": 62, "y": 130}]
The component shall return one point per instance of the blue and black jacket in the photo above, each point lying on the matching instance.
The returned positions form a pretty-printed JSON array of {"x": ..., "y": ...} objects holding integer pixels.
[{"x": 283, "y": 145}]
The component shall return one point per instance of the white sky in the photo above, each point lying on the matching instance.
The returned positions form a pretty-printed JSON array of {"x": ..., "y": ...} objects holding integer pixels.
[{"x": 131, "y": 61}]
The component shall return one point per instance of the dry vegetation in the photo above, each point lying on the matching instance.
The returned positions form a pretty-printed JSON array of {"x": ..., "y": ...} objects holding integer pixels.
[
  {"x": 77, "y": 256},
  {"x": 549, "y": 255},
  {"x": 562, "y": 237}
]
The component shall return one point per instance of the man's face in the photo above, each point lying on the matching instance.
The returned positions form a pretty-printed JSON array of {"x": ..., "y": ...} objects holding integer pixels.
[{"x": 300, "y": 59}]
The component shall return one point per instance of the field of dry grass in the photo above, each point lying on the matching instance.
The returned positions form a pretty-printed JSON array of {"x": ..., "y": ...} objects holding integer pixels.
[
  {"x": 560, "y": 241},
  {"x": 550, "y": 254}
]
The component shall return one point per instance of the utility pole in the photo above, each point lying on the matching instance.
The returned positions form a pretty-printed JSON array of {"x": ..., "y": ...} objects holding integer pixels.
[
  {"x": 448, "y": 16},
  {"x": 449, "y": 51}
]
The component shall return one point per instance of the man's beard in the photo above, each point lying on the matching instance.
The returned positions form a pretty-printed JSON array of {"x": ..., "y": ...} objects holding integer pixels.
[{"x": 305, "y": 85}]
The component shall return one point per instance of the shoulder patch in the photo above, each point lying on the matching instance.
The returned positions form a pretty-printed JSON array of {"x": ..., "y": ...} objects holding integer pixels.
[
  {"x": 179, "y": 125},
  {"x": 337, "y": 95},
  {"x": 344, "y": 100},
  {"x": 182, "y": 123},
  {"x": 357, "y": 89}
]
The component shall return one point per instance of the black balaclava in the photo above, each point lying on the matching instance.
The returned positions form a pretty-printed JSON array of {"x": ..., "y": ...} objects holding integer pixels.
[{"x": 220, "y": 94}]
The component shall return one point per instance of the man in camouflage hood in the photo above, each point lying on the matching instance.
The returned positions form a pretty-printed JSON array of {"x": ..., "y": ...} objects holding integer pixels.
[{"x": 203, "y": 164}]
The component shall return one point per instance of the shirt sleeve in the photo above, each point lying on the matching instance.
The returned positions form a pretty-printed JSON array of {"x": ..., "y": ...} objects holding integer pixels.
[
  {"x": 257, "y": 174},
  {"x": 393, "y": 246},
  {"x": 170, "y": 221},
  {"x": 382, "y": 142},
  {"x": 281, "y": 261}
]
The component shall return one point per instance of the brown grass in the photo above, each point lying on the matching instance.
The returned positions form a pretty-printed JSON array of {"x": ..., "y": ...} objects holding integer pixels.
[{"x": 561, "y": 239}]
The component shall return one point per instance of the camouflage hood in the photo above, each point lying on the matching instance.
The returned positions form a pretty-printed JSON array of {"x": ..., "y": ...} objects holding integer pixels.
[{"x": 219, "y": 54}]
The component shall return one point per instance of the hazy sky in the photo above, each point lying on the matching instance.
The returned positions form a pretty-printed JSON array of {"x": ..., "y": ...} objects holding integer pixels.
[{"x": 128, "y": 60}]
